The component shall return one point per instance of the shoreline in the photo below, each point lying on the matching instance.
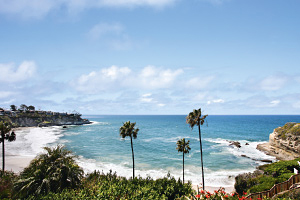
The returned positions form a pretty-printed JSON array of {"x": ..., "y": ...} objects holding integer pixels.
[{"x": 17, "y": 163}]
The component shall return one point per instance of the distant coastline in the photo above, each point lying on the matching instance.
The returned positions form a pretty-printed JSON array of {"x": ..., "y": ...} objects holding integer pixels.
[{"x": 40, "y": 118}]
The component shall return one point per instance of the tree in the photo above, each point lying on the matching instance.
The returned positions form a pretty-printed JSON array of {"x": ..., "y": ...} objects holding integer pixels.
[
  {"x": 13, "y": 108},
  {"x": 183, "y": 146},
  {"x": 128, "y": 130},
  {"x": 5, "y": 129},
  {"x": 196, "y": 118},
  {"x": 52, "y": 171},
  {"x": 31, "y": 108},
  {"x": 23, "y": 107}
]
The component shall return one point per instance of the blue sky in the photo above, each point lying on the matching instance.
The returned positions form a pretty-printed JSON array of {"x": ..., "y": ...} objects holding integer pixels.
[{"x": 151, "y": 56}]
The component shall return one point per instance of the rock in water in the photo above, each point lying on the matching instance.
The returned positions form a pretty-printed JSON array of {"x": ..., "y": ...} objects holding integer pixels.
[{"x": 235, "y": 143}]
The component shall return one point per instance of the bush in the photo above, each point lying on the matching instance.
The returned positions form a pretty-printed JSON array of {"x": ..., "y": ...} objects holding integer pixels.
[
  {"x": 6, "y": 184},
  {"x": 265, "y": 178},
  {"x": 50, "y": 172},
  {"x": 279, "y": 168},
  {"x": 110, "y": 186}
]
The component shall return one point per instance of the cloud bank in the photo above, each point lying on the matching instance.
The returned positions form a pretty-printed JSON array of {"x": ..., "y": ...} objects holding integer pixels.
[
  {"x": 39, "y": 8},
  {"x": 10, "y": 73},
  {"x": 147, "y": 90}
]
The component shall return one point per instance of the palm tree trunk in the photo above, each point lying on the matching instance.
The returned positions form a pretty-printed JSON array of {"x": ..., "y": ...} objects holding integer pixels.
[
  {"x": 201, "y": 157},
  {"x": 132, "y": 155},
  {"x": 183, "y": 166},
  {"x": 3, "y": 152}
]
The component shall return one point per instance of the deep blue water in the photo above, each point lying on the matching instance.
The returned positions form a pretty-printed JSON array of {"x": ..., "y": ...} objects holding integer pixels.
[{"x": 100, "y": 147}]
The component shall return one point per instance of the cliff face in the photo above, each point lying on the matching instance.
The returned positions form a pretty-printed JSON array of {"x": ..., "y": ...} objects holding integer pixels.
[
  {"x": 30, "y": 120},
  {"x": 284, "y": 142}
]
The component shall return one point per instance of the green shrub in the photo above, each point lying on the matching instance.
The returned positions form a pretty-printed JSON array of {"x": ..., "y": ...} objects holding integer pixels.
[
  {"x": 110, "y": 186},
  {"x": 49, "y": 172},
  {"x": 282, "y": 167},
  {"x": 291, "y": 127},
  {"x": 6, "y": 184},
  {"x": 271, "y": 174}
]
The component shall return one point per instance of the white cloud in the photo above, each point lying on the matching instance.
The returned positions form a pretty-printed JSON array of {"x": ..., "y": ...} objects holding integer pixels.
[
  {"x": 102, "y": 29},
  {"x": 130, "y": 3},
  {"x": 105, "y": 79},
  {"x": 273, "y": 83},
  {"x": 117, "y": 78},
  {"x": 216, "y": 2},
  {"x": 28, "y": 8},
  {"x": 215, "y": 101},
  {"x": 296, "y": 104},
  {"x": 199, "y": 83},
  {"x": 9, "y": 72},
  {"x": 40, "y": 8},
  {"x": 274, "y": 103},
  {"x": 5, "y": 94},
  {"x": 115, "y": 72},
  {"x": 156, "y": 78},
  {"x": 146, "y": 98}
]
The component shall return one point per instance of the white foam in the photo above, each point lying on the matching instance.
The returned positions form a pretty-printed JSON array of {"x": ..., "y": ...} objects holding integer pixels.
[
  {"x": 249, "y": 150},
  {"x": 97, "y": 123},
  {"x": 224, "y": 178},
  {"x": 30, "y": 141}
]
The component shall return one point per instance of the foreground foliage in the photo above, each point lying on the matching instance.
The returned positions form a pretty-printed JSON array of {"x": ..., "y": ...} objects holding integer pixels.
[
  {"x": 266, "y": 176},
  {"x": 6, "y": 184},
  {"x": 110, "y": 186},
  {"x": 50, "y": 172}
]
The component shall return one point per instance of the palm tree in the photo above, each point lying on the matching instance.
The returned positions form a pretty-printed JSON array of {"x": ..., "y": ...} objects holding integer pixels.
[
  {"x": 183, "y": 146},
  {"x": 128, "y": 130},
  {"x": 5, "y": 129},
  {"x": 195, "y": 118},
  {"x": 49, "y": 172}
]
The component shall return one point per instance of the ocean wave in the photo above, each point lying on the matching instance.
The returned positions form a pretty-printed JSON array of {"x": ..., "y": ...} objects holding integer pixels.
[
  {"x": 97, "y": 123},
  {"x": 214, "y": 178},
  {"x": 248, "y": 151},
  {"x": 30, "y": 141}
]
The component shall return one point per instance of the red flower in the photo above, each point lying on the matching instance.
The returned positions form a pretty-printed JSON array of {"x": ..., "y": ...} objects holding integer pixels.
[
  {"x": 198, "y": 196},
  {"x": 207, "y": 196},
  {"x": 216, "y": 191},
  {"x": 202, "y": 192},
  {"x": 226, "y": 196},
  {"x": 244, "y": 193},
  {"x": 223, "y": 192}
]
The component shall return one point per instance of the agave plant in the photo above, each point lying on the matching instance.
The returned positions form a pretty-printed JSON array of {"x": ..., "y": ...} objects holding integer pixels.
[{"x": 49, "y": 172}]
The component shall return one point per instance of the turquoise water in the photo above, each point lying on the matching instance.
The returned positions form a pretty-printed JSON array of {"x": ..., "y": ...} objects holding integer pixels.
[{"x": 100, "y": 147}]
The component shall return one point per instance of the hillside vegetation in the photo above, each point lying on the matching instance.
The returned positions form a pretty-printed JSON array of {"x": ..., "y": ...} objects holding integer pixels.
[{"x": 266, "y": 176}]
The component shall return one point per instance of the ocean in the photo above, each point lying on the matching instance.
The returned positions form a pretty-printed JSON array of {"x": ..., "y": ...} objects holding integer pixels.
[{"x": 99, "y": 146}]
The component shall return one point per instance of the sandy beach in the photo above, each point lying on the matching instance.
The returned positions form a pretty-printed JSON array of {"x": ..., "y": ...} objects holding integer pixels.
[
  {"x": 16, "y": 163},
  {"x": 28, "y": 144}
]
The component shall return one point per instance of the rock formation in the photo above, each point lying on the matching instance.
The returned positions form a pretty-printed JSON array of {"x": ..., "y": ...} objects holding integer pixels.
[
  {"x": 284, "y": 142},
  {"x": 44, "y": 119}
]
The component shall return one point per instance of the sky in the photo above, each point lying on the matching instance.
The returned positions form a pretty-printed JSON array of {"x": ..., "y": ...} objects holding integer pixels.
[{"x": 227, "y": 57}]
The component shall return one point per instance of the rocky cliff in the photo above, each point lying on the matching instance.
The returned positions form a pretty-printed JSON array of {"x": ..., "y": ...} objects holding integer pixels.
[
  {"x": 35, "y": 119},
  {"x": 284, "y": 142}
]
